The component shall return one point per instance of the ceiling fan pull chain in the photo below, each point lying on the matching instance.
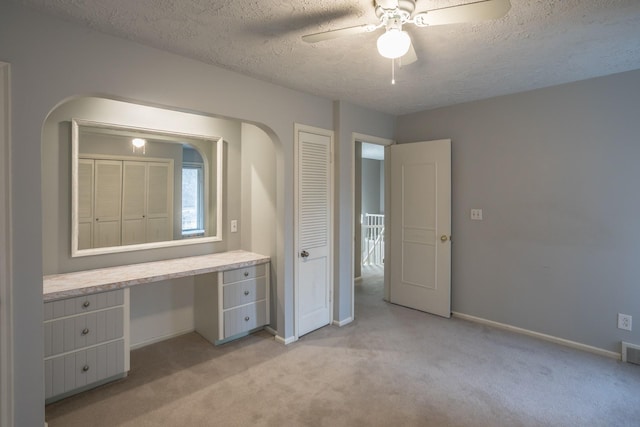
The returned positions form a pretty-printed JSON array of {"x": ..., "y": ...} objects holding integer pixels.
[{"x": 393, "y": 71}]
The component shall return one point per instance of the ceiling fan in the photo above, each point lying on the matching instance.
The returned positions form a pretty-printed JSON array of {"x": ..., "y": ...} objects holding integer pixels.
[{"x": 395, "y": 43}]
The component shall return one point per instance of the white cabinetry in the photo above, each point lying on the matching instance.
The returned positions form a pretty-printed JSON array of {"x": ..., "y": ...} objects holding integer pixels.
[
  {"x": 86, "y": 342},
  {"x": 86, "y": 313},
  {"x": 230, "y": 304}
]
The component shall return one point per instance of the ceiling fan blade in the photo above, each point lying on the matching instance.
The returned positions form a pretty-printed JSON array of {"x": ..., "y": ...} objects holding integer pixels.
[
  {"x": 334, "y": 34},
  {"x": 470, "y": 12},
  {"x": 409, "y": 58}
]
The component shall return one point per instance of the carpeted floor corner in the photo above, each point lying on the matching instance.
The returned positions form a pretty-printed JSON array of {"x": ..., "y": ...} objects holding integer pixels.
[{"x": 391, "y": 367}]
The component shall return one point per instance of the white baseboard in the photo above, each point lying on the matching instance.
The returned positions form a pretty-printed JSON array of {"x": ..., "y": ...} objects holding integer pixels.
[
  {"x": 285, "y": 341},
  {"x": 545, "y": 337},
  {"x": 158, "y": 339},
  {"x": 358, "y": 279},
  {"x": 271, "y": 330},
  {"x": 343, "y": 322}
]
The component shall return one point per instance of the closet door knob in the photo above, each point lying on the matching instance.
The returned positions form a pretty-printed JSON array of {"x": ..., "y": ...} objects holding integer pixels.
[
  {"x": 85, "y": 331},
  {"x": 304, "y": 254},
  {"x": 85, "y": 368}
]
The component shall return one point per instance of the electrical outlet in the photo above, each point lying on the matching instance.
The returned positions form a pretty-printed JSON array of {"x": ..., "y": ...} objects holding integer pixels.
[
  {"x": 234, "y": 225},
  {"x": 476, "y": 214},
  {"x": 624, "y": 321}
]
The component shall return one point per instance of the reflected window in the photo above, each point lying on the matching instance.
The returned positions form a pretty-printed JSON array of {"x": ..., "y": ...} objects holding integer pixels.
[
  {"x": 192, "y": 200},
  {"x": 192, "y": 194}
]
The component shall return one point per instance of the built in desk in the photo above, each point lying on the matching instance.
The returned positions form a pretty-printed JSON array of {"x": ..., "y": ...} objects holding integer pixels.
[{"x": 86, "y": 313}]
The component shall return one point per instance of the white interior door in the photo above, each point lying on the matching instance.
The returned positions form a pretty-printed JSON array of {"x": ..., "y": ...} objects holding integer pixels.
[
  {"x": 6, "y": 277},
  {"x": 313, "y": 200},
  {"x": 420, "y": 226}
]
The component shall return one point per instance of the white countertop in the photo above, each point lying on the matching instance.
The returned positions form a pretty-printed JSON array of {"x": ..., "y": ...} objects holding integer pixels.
[{"x": 57, "y": 286}]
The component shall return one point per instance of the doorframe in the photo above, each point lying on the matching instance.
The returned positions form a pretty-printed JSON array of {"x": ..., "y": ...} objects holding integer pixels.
[
  {"x": 297, "y": 128},
  {"x": 355, "y": 137},
  {"x": 6, "y": 275}
]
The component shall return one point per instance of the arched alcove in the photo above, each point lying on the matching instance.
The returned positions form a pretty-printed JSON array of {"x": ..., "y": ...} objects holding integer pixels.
[{"x": 249, "y": 196}]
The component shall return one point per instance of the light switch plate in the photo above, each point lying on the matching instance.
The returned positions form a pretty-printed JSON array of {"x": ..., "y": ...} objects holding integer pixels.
[
  {"x": 234, "y": 225},
  {"x": 476, "y": 214}
]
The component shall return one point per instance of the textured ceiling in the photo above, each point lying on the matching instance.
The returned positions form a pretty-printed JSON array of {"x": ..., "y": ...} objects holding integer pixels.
[{"x": 538, "y": 43}]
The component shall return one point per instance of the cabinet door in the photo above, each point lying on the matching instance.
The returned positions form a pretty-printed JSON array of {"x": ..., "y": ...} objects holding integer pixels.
[
  {"x": 79, "y": 369},
  {"x": 159, "y": 202},
  {"x": 107, "y": 203},
  {"x": 134, "y": 196},
  {"x": 244, "y": 318}
]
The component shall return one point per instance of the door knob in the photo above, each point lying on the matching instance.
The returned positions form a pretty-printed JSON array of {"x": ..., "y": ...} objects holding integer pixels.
[
  {"x": 304, "y": 254},
  {"x": 444, "y": 238}
]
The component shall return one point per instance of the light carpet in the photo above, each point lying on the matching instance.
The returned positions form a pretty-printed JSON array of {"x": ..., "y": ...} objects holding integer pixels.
[{"x": 391, "y": 367}]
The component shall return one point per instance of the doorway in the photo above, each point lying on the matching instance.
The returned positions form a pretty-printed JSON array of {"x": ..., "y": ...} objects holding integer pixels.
[{"x": 369, "y": 214}]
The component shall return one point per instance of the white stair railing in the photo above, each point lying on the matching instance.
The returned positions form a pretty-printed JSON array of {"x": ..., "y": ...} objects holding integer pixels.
[{"x": 372, "y": 239}]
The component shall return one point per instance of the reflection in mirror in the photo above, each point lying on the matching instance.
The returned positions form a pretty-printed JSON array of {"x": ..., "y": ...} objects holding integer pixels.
[{"x": 137, "y": 188}]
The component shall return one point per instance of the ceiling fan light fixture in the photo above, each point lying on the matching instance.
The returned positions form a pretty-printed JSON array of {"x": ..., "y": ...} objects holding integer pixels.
[{"x": 394, "y": 43}]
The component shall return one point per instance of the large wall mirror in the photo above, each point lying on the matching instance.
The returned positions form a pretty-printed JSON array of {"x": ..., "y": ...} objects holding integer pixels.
[{"x": 136, "y": 188}]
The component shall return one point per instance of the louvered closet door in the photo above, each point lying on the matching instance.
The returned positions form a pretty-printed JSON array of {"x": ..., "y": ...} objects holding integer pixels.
[
  {"x": 107, "y": 203},
  {"x": 133, "y": 203},
  {"x": 314, "y": 227},
  {"x": 159, "y": 202},
  {"x": 85, "y": 203}
]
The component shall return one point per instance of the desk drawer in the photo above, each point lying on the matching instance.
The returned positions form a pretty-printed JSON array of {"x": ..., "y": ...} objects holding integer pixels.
[
  {"x": 83, "y": 304},
  {"x": 72, "y": 333},
  {"x": 84, "y": 367},
  {"x": 244, "y": 292},
  {"x": 244, "y": 318},
  {"x": 243, "y": 273}
]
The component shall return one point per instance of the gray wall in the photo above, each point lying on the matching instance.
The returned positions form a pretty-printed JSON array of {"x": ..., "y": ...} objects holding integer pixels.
[
  {"x": 556, "y": 173},
  {"x": 62, "y": 60},
  {"x": 259, "y": 192},
  {"x": 372, "y": 182}
]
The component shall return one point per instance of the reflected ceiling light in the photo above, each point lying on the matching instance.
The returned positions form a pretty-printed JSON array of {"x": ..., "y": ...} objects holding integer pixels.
[
  {"x": 139, "y": 143},
  {"x": 394, "y": 43}
]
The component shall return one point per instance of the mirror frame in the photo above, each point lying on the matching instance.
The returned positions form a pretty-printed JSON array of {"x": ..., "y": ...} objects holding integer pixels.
[{"x": 75, "y": 141}]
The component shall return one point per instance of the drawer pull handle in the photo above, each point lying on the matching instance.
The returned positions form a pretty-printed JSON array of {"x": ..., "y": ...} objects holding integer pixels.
[
  {"x": 246, "y": 273},
  {"x": 85, "y": 368},
  {"x": 246, "y": 319},
  {"x": 86, "y": 304},
  {"x": 85, "y": 331},
  {"x": 246, "y": 293}
]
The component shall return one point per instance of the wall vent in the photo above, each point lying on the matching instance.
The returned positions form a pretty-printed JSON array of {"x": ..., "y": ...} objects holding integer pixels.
[{"x": 630, "y": 353}]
